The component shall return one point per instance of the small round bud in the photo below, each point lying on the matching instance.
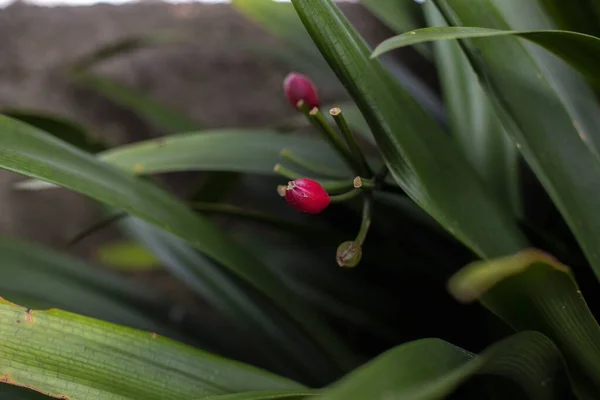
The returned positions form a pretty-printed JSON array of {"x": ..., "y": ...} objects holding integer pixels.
[
  {"x": 307, "y": 196},
  {"x": 299, "y": 87},
  {"x": 348, "y": 254}
]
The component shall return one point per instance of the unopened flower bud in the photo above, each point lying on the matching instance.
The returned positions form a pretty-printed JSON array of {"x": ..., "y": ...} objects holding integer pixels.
[
  {"x": 299, "y": 87},
  {"x": 307, "y": 196},
  {"x": 348, "y": 254}
]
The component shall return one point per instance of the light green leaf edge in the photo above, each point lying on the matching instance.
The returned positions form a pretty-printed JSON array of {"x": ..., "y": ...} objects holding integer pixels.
[{"x": 68, "y": 356}]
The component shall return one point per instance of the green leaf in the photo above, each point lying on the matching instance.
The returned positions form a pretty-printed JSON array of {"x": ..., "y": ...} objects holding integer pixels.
[
  {"x": 50, "y": 279},
  {"x": 127, "y": 45},
  {"x": 543, "y": 119},
  {"x": 26, "y": 150},
  {"x": 399, "y": 15},
  {"x": 247, "y": 151},
  {"x": 473, "y": 122},
  {"x": 531, "y": 290},
  {"x": 425, "y": 162},
  {"x": 431, "y": 369},
  {"x": 63, "y": 354},
  {"x": 270, "y": 395},
  {"x": 578, "y": 49},
  {"x": 127, "y": 256},
  {"x": 234, "y": 299},
  {"x": 63, "y": 128},
  {"x": 132, "y": 100},
  {"x": 582, "y": 16}
]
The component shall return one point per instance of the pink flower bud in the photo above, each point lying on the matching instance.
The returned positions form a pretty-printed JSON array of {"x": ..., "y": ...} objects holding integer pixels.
[
  {"x": 307, "y": 196},
  {"x": 299, "y": 87}
]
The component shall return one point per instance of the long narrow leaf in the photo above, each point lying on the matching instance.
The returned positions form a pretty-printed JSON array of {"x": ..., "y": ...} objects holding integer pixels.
[
  {"x": 532, "y": 105},
  {"x": 423, "y": 160},
  {"x": 26, "y": 150},
  {"x": 69, "y": 356},
  {"x": 531, "y": 290},
  {"x": 580, "y": 50},
  {"x": 432, "y": 369},
  {"x": 473, "y": 122}
]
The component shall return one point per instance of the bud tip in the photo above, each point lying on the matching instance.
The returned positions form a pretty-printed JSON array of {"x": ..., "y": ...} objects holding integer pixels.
[{"x": 348, "y": 254}]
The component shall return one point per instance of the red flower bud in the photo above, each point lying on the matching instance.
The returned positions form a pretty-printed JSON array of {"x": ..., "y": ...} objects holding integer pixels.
[
  {"x": 307, "y": 196},
  {"x": 299, "y": 87}
]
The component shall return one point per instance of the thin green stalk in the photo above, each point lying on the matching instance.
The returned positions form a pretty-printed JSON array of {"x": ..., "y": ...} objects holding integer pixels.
[
  {"x": 340, "y": 198},
  {"x": 331, "y": 186},
  {"x": 286, "y": 172},
  {"x": 366, "y": 220},
  {"x": 355, "y": 150},
  {"x": 318, "y": 121}
]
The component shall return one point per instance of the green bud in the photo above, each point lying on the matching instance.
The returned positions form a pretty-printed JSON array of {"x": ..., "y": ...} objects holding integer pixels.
[{"x": 348, "y": 254}]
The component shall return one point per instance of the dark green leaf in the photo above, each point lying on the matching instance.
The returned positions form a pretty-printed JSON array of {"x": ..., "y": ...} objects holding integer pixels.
[
  {"x": 64, "y": 129},
  {"x": 232, "y": 298},
  {"x": 425, "y": 162},
  {"x": 54, "y": 280},
  {"x": 248, "y": 151},
  {"x": 26, "y": 150},
  {"x": 128, "y": 45},
  {"x": 580, "y": 50},
  {"x": 139, "y": 103},
  {"x": 531, "y": 290},
  {"x": 530, "y": 95},
  {"x": 431, "y": 369},
  {"x": 64, "y": 354},
  {"x": 399, "y": 15},
  {"x": 270, "y": 395},
  {"x": 473, "y": 122}
]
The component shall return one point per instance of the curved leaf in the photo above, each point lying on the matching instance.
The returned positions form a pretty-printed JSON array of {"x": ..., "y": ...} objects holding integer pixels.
[
  {"x": 139, "y": 103},
  {"x": 55, "y": 280},
  {"x": 578, "y": 49},
  {"x": 270, "y": 395},
  {"x": 401, "y": 16},
  {"x": 235, "y": 300},
  {"x": 528, "y": 96},
  {"x": 431, "y": 369},
  {"x": 425, "y": 162},
  {"x": 69, "y": 356},
  {"x": 473, "y": 123},
  {"x": 531, "y": 290},
  {"x": 26, "y": 150},
  {"x": 63, "y": 128},
  {"x": 127, "y": 45},
  {"x": 248, "y": 151}
]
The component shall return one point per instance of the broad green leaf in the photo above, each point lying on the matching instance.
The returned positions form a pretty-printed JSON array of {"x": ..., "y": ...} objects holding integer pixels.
[
  {"x": 269, "y": 395},
  {"x": 54, "y": 280},
  {"x": 531, "y": 290},
  {"x": 473, "y": 122},
  {"x": 26, "y": 150},
  {"x": 247, "y": 151},
  {"x": 63, "y": 128},
  {"x": 425, "y": 161},
  {"x": 232, "y": 298},
  {"x": 578, "y": 49},
  {"x": 70, "y": 356},
  {"x": 399, "y": 15},
  {"x": 138, "y": 103},
  {"x": 127, "y": 256},
  {"x": 128, "y": 45},
  {"x": 535, "y": 106},
  {"x": 431, "y": 369}
]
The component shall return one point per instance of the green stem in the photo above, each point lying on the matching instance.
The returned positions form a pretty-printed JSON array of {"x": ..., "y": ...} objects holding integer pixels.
[
  {"x": 366, "y": 221},
  {"x": 355, "y": 150},
  {"x": 309, "y": 166},
  {"x": 286, "y": 172},
  {"x": 340, "y": 198},
  {"x": 95, "y": 227},
  {"x": 318, "y": 121}
]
